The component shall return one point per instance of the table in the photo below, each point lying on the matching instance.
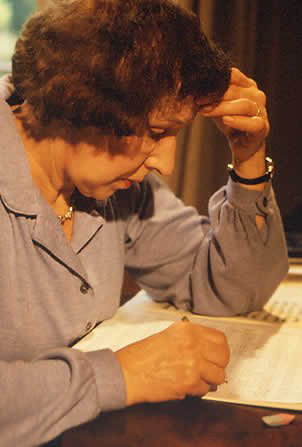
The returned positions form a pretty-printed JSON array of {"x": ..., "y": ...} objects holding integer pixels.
[{"x": 192, "y": 422}]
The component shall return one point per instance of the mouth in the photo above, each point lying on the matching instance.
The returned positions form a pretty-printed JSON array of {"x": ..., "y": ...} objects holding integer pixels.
[
  {"x": 125, "y": 183},
  {"x": 132, "y": 180}
]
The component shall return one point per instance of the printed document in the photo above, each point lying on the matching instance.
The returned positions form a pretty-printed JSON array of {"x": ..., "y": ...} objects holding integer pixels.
[{"x": 266, "y": 356}]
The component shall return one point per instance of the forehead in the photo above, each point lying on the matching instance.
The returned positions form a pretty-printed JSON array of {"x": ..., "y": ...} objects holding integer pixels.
[{"x": 171, "y": 110}]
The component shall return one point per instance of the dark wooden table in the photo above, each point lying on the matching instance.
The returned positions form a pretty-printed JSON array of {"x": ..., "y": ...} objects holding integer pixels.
[
  {"x": 189, "y": 423},
  {"x": 192, "y": 422}
]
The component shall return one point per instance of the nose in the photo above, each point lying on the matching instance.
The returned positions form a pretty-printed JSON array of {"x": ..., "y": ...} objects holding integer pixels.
[{"x": 163, "y": 158}]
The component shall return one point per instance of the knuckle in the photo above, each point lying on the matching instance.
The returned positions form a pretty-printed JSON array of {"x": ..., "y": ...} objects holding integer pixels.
[
  {"x": 191, "y": 376},
  {"x": 251, "y": 108},
  {"x": 247, "y": 103},
  {"x": 261, "y": 97},
  {"x": 189, "y": 384},
  {"x": 188, "y": 339},
  {"x": 180, "y": 329},
  {"x": 267, "y": 129},
  {"x": 221, "y": 338},
  {"x": 204, "y": 388},
  {"x": 223, "y": 356},
  {"x": 221, "y": 376},
  {"x": 180, "y": 395},
  {"x": 226, "y": 357},
  {"x": 185, "y": 339},
  {"x": 253, "y": 82}
]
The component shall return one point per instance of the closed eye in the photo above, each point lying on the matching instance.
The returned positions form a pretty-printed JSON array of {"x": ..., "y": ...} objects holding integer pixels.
[{"x": 157, "y": 134}]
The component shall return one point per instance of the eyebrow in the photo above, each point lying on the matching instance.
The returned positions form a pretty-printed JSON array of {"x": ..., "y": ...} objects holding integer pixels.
[
  {"x": 167, "y": 124},
  {"x": 213, "y": 104},
  {"x": 172, "y": 121}
]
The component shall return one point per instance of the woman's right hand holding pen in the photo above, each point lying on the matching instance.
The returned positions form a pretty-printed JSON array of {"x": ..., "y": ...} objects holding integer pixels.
[{"x": 184, "y": 359}]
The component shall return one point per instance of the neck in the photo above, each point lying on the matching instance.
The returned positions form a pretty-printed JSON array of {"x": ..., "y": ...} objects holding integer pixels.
[{"x": 46, "y": 160}]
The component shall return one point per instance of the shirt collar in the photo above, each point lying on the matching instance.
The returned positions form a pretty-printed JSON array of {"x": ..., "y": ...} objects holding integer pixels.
[
  {"x": 16, "y": 185},
  {"x": 17, "y": 188}
]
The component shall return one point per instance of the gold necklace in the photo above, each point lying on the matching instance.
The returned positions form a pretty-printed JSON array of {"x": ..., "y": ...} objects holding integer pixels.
[{"x": 67, "y": 216}]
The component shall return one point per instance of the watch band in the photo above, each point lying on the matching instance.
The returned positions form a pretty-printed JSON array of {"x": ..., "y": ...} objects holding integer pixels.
[{"x": 253, "y": 181}]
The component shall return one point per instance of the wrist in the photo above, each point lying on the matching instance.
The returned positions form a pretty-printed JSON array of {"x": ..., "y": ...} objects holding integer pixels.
[
  {"x": 253, "y": 167},
  {"x": 253, "y": 173}
]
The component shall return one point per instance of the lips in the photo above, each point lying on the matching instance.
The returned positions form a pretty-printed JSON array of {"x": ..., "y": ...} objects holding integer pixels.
[
  {"x": 124, "y": 184},
  {"x": 133, "y": 180}
]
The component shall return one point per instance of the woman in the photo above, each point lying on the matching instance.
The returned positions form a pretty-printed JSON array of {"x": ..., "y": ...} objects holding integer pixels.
[{"x": 105, "y": 88}]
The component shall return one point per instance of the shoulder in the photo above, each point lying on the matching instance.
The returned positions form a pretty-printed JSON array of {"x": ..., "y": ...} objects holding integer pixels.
[{"x": 6, "y": 87}]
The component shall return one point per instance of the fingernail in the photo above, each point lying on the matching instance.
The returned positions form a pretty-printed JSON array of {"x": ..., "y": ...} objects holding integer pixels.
[
  {"x": 228, "y": 119},
  {"x": 207, "y": 109}
]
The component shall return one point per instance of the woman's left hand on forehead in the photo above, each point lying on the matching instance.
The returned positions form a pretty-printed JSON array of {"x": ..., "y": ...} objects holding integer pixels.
[{"x": 241, "y": 116}]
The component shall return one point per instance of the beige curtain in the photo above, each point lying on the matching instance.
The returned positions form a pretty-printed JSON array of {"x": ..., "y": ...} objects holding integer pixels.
[{"x": 203, "y": 153}]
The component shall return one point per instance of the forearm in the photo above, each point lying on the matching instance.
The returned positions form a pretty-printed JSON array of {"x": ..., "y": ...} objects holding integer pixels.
[
  {"x": 245, "y": 264},
  {"x": 42, "y": 398},
  {"x": 252, "y": 168},
  {"x": 220, "y": 265}
]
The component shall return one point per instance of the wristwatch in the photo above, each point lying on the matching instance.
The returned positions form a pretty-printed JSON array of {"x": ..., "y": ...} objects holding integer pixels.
[{"x": 253, "y": 181}]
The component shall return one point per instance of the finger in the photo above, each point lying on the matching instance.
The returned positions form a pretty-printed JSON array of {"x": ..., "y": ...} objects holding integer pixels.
[
  {"x": 209, "y": 334},
  {"x": 197, "y": 333},
  {"x": 239, "y": 78},
  {"x": 216, "y": 354},
  {"x": 234, "y": 92},
  {"x": 212, "y": 373},
  {"x": 251, "y": 125},
  {"x": 242, "y": 106},
  {"x": 199, "y": 389},
  {"x": 237, "y": 92},
  {"x": 213, "y": 388}
]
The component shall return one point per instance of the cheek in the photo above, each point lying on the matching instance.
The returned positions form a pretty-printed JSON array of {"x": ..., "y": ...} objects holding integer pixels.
[
  {"x": 92, "y": 172},
  {"x": 148, "y": 145},
  {"x": 132, "y": 145},
  {"x": 86, "y": 172}
]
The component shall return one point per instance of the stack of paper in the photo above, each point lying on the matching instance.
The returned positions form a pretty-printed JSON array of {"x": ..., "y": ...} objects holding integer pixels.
[{"x": 266, "y": 361}]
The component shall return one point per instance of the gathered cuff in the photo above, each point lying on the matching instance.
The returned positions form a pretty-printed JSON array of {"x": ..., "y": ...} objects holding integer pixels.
[
  {"x": 109, "y": 378},
  {"x": 251, "y": 201}
]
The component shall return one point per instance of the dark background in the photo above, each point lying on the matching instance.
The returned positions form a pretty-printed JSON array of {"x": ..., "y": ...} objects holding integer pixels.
[
  {"x": 282, "y": 81},
  {"x": 276, "y": 64}
]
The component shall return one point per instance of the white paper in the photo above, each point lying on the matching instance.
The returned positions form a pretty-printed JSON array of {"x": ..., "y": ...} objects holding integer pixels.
[
  {"x": 266, "y": 358},
  {"x": 286, "y": 302}
]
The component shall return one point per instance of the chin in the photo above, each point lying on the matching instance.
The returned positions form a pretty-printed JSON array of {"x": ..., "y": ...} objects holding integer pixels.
[{"x": 97, "y": 195}]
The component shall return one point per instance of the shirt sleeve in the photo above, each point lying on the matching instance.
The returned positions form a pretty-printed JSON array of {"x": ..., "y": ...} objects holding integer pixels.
[
  {"x": 59, "y": 390},
  {"x": 218, "y": 265}
]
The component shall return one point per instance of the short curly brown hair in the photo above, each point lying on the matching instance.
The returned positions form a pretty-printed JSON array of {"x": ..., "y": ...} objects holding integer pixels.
[{"x": 107, "y": 63}]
